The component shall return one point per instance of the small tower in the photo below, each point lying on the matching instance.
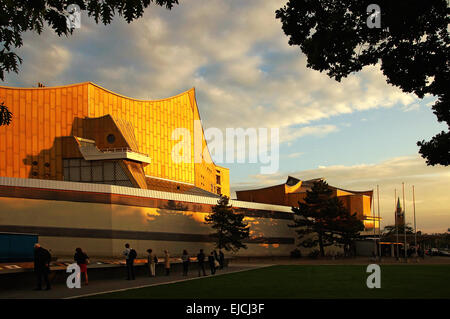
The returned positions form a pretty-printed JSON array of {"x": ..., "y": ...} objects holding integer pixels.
[{"x": 399, "y": 215}]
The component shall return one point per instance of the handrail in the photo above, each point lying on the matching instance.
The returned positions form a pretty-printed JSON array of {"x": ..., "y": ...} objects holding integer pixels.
[{"x": 121, "y": 149}]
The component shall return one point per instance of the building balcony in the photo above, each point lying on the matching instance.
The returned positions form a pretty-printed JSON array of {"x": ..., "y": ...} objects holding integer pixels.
[{"x": 91, "y": 152}]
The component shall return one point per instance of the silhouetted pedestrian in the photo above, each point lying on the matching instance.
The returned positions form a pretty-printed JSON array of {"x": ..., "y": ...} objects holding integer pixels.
[
  {"x": 212, "y": 264},
  {"x": 130, "y": 255},
  {"x": 185, "y": 259},
  {"x": 42, "y": 260},
  {"x": 82, "y": 260},
  {"x": 167, "y": 262},
  {"x": 151, "y": 262},
  {"x": 201, "y": 262},
  {"x": 221, "y": 259}
]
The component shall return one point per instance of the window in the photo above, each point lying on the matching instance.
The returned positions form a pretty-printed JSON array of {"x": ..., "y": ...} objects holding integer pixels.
[
  {"x": 218, "y": 179},
  {"x": 102, "y": 172},
  {"x": 111, "y": 138},
  {"x": 219, "y": 191}
]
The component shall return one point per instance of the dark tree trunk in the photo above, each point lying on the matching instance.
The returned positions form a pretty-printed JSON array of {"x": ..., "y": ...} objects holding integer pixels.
[{"x": 322, "y": 252}]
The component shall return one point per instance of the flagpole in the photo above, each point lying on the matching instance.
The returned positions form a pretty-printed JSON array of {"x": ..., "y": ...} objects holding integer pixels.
[
  {"x": 415, "y": 229},
  {"x": 373, "y": 224},
  {"x": 379, "y": 218},
  {"x": 396, "y": 223},
  {"x": 379, "y": 222},
  {"x": 404, "y": 217}
]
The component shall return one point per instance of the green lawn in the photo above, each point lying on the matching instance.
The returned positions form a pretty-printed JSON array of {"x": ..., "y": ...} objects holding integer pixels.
[{"x": 334, "y": 281}]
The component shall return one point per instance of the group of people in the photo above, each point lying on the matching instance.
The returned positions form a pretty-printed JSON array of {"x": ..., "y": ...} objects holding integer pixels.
[
  {"x": 42, "y": 259},
  {"x": 215, "y": 261}
]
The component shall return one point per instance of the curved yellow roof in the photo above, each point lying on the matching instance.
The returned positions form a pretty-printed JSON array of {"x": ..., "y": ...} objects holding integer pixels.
[{"x": 98, "y": 86}]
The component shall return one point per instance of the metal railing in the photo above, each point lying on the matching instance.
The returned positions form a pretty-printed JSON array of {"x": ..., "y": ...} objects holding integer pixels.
[{"x": 120, "y": 150}]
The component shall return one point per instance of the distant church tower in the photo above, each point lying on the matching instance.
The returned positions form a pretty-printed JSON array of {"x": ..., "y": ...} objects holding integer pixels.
[{"x": 399, "y": 215}]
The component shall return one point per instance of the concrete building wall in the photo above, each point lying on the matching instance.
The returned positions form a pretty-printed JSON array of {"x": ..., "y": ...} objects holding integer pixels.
[{"x": 101, "y": 223}]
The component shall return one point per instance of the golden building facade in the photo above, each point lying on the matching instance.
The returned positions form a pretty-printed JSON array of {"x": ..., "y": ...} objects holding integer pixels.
[
  {"x": 294, "y": 190},
  {"x": 83, "y": 132}
]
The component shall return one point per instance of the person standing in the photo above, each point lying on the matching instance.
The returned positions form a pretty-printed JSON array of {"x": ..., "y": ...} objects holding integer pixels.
[
  {"x": 185, "y": 259},
  {"x": 82, "y": 260},
  {"x": 212, "y": 264},
  {"x": 151, "y": 262},
  {"x": 216, "y": 259},
  {"x": 221, "y": 259},
  {"x": 42, "y": 260},
  {"x": 201, "y": 262},
  {"x": 130, "y": 256},
  {"x": 167, "y": 262},
  {"x": 421, "y": 252}
]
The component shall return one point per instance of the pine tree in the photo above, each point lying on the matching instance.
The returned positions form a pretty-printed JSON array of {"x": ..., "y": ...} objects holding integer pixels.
[
  {"x": 346, "y": 226},
  {"x": 322, "y": 220},
  {"x": 229, "y": 226}
]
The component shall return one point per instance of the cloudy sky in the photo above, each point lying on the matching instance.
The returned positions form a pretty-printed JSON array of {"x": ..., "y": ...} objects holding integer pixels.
[{"x": 357, "y": 134}]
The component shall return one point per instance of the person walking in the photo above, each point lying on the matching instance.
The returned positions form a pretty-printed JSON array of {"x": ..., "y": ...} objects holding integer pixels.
[
  {"x": 130, "y": 255},
  {"x": 216, "y": 259},
  {"x": 151, "y": 262},
  {"x": 42, "y": 260},
  {"x": 201, "y": 262},
  {"x": 212, "y": 264},
  {"x": 82, "y": 260},
  {"x": 167, "y": 262},
  {"x": 221, "y": 258},
  {"x": 185, "y": 259}
]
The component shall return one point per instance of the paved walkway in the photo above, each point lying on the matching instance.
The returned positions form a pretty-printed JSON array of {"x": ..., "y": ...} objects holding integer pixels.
[
  {"x": 236, "y": 265},
  {"x": 100, "y": 286},
  {"x": 435, "y": 260}
]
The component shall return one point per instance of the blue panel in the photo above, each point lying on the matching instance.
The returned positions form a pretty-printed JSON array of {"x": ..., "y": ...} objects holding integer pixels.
[{"x": 17, "y": 247}]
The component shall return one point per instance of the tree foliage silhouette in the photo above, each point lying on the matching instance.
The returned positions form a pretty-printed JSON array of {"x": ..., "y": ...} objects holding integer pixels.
[
  {"x": 229, "y": 226},
  {"x": 412, "y": 45},
  {"x": 322, "y": 220},
  {"x": 5, "y": 115},
  {"x": 390, "y": 230},
  {"x": 20, "y": 16}
]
